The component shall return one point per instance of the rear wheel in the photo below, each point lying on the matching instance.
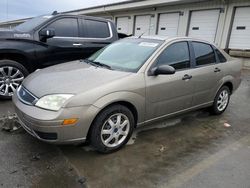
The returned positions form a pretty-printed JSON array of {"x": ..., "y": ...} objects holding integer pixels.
[
  {"x": 221, "y": 101},
  {"x": 12, "y": 74},
  {"x": 112, "y": 129}
]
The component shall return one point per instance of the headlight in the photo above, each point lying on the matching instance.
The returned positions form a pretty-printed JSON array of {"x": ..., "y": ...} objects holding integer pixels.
[{"x": 53, "y": 102}]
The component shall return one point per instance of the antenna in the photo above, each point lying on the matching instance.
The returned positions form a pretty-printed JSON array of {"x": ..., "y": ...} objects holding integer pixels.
[
  {"x": 54, "y": 13},
  {"x": 150, "y": 27}
]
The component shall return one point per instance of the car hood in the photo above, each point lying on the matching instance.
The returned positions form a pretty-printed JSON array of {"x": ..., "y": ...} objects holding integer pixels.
[{"x": 70, "y": 78}]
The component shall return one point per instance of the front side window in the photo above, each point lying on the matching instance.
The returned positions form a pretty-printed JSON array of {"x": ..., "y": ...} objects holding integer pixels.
[
  {"x": 176, "y": 55},
  {"x": 66, "y": 27},
  {"x": 96, "y": 29},
  {"x": 127, "y": 54},
  {"x": 204, "y": 54}
]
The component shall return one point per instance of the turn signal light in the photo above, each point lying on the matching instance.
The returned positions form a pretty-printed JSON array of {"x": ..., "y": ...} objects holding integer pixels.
[{"x": 70, "y": 121}]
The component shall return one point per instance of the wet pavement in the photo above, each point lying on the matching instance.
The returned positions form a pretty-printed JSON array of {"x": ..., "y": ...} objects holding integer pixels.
[{"x": 193, "y": 150}]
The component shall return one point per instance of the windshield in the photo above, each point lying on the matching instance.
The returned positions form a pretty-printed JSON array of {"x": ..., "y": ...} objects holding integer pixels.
[
  {"x": 32, "y": 23},
  {"x": 127, "y": 54}
]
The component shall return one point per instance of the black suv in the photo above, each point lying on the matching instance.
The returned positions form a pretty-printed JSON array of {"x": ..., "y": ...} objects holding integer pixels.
[{"x": 48, "y": 40}]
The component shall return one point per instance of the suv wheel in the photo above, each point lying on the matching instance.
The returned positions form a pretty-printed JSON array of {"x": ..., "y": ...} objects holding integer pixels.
[
  {"x": 112, "y": 129},
  {"x": 11, "y": 76},
  {"x": 221, "y": 101}
]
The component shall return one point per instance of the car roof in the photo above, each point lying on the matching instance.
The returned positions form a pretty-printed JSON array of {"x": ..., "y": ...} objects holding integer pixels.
[{"x": 168, "y": 39}]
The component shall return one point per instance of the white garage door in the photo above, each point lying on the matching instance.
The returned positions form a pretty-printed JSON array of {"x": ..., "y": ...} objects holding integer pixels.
[
  {"x": 203, "y": 24},
  {"x": 143, "y": 25},
  {"x": 240, "y": 36},
  {"x": 123, "y": 25},
  {"x": 168, "y": 24}
]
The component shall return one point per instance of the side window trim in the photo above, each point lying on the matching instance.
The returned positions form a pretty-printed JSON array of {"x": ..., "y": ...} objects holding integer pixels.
[
  {"x": 192, "y": 55},
  {"x": 199, "y": 66}
]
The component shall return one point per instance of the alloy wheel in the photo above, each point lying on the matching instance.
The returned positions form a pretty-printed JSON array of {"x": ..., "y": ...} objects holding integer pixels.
[
  {"x": 223, "y": 100},
  {"x": 115, "y": 130},
  {"x": 10, "y": 79}
]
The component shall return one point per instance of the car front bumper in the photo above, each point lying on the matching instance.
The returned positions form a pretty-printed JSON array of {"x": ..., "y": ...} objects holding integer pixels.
[{"x": 47, "y": 125}]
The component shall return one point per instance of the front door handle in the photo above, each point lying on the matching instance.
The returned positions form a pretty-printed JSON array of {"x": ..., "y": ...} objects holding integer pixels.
[
  {"x": 187, "y": 77},
  {"x": 217, "y": 69},
  {"x": 77, "y": 44}
]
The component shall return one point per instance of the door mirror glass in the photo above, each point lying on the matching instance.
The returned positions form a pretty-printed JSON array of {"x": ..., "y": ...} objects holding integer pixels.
[
  {"x": 46, "y": 34},
  {"x": 162, "y": 70}
]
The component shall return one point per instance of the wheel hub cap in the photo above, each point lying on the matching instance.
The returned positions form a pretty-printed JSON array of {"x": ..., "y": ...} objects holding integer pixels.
[
  {"x": 115, "y": 130},
  {"x": 10, "y": 79}
]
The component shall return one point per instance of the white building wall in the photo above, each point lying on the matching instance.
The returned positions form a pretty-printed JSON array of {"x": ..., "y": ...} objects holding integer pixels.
[
  {"x": 156, "y": 7},
  {"x": 227, "y": 8}
]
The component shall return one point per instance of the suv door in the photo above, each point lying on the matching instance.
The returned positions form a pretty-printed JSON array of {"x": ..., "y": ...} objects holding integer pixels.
[
  {"x": 94, "y": 35},
  {"x": 64, "y": 46},
  {"x": 166, "y": 94},
  {"x": 207, "y": 75}
]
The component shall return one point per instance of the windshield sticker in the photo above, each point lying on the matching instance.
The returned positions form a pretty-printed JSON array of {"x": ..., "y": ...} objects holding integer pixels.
[
  {"x": 23, "y": 35},
  {"x": 148, "y": 44}
]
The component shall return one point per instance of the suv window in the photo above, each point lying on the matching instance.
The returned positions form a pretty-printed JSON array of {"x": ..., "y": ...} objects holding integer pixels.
[
  {"x": 221, "y": 57},
  {"x": 204, "y": 54},
  {"x": 176, "y": 55},
  {"x": 66, "y": 27},
  {"x": 96, "y": 29}
]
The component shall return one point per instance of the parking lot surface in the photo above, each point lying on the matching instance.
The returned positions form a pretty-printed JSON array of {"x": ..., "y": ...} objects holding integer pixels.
[{"x": 193, "y": 150}]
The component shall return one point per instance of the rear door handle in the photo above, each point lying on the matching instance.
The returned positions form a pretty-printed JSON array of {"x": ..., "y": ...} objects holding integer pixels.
[
  {"x": 217, "y": 69},
  {"x": 187, "y": 77},
  {"x": 77, "y": 44}
]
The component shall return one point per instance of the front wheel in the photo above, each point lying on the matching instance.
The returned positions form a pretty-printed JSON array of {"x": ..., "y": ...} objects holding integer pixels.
[
  {"x": 221, "y": 101},
  {"x": 112, "y": 129},
  {"x": 12, "y": 74}
]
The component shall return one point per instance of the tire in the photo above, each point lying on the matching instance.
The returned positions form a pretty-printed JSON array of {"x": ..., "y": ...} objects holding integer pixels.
[
  {"x": 10, "y": 81},
  {"x": 218, "y": 108},
  {"x": 114, "y": 136}
]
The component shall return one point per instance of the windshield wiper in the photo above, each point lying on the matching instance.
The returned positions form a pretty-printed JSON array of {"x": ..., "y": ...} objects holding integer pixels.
[{"x": 97, "y": 64}]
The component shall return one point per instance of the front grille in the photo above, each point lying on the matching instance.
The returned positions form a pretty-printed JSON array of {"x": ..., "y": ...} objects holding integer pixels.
[{"x": 25, "y": 96}]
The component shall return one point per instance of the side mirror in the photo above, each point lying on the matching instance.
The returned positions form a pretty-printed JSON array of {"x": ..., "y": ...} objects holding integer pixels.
[
  {"x": 162, "y": 70},
  {"x": 46, "y": 34}
]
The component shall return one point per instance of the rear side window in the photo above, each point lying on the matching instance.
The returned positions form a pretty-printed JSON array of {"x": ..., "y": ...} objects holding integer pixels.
[
  {"x": 66, "y": 27},
  {"x": 96, "y": 29},
  {"x": 204, "y": 54},
  {"x": 176, "y": 55},
  {"x": 221, "y": 57}
]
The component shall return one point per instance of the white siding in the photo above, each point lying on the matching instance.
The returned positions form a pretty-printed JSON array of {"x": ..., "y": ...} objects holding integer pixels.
[
  {"x": 142, "y": 25},
  {"x": 169, "y": 24},
  {"x": 123, "y": 25},
  {"x": 203, "y": 24},
  {"x": 240, "y": 36}
]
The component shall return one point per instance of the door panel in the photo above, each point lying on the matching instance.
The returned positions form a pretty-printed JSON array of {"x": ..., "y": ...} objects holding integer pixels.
[
  {"x": 65, "y": 45},
  {"x": 167, "y": 94},
  {"x": 207, "y": 75},
  {"x": 206, "y": 82}
]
